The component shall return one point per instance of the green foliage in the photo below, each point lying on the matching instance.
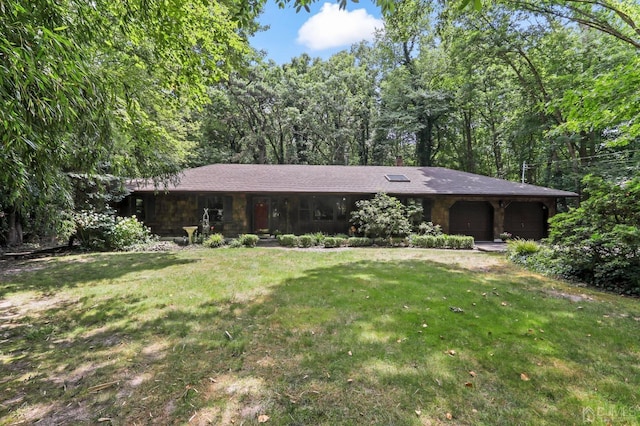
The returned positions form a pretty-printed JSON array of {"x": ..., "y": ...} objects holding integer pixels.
[
  {"x": 214, "y": 241},
  {"x": 103, "y": 87},
  {"x": 422, "y": 241},
  {"x": 359, "y": 242},
  {"x": 381, "y": 217},
  {"x": 288, "y": 240},
  {"x": 428, "y": 228},
  {"x": 235, "y": 243},
  {"x": 459, "y": 242},
  {"x": 333, "y": 242},
  {"x": 442, "y": 241},
  {"x": 307, "y": 240},
  {"x": 599, "y": 242},
  {"x": 520, "y": 248},
  {"x": 105, "y": 231},
  {"x": 248, "y": 240}
]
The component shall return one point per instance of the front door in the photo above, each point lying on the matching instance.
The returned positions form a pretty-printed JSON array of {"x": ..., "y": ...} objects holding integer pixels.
[{"x": 261, "y": 215}]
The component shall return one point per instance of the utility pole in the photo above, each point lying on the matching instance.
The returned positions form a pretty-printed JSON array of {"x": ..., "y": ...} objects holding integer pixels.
[{"x": 524, "y": 167}]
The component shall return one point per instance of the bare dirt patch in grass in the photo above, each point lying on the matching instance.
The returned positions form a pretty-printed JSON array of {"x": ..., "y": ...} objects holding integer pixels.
[{"x": 357, "y": 336}]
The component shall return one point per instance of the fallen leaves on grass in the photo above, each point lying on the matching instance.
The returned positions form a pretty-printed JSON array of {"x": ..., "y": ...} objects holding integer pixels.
[
  {"x": 263, "y": 418},
  {"x": 451, "y": 352},
  {"x": 524, "y": 377},
  {"x": 473, "y": 373}
]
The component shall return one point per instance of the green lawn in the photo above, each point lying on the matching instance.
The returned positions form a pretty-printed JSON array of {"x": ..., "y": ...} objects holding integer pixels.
[{"x": 350, "y": 336}]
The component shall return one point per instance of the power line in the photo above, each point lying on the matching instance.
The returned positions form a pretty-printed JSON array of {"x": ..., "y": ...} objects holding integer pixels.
[{"x": 596, "y": 156}]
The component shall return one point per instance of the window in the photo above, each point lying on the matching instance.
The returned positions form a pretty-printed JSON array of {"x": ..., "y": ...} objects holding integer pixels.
[
  {"x": 216, "y": 206},
  {"x": 341, "y": 209},
  {"x": 329, "y": 208},
  {"x": 138, "y": 209},
  {"x": 322, "y": 209}
]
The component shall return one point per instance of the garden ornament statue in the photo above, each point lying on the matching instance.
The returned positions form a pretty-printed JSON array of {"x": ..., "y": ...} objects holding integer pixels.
[{"x": 205, "y": 222}]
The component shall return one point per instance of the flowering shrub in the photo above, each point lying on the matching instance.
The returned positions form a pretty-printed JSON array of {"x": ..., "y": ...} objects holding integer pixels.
[
  {"x": 428, "y": 228},
  {"x": 381, "y": 217},
  {"x": 505, "y": 236},
  {"x": 106, "y": 231}
]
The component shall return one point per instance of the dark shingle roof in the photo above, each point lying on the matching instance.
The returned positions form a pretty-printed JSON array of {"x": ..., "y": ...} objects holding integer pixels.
[{"x": 259, "y": 178}]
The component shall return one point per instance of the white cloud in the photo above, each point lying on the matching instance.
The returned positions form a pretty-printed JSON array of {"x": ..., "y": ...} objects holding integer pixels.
[{"x": 333, "y": 27}]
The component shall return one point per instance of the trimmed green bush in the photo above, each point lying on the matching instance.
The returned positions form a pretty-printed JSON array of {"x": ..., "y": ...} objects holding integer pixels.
[
  {"x": 422, "y": 241},
  {"x": 397, "y": 241},
  {"x": 333, "y": 242},
  {"x": 248, "y": 240},
  {"x": 359, "y": 242},
  {"x": 459, "y": 242},
  {"x": 214, "y": 241},
  {"x": 307, "y": 240},
  {"x": 288, "y": 240}
]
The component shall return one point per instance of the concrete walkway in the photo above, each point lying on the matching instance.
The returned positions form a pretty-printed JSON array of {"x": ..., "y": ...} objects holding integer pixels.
[{"x": 491, "y": 247}]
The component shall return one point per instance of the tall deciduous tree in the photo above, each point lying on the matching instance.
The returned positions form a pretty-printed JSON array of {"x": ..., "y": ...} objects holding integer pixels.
[{"x": 95, "y": 87}]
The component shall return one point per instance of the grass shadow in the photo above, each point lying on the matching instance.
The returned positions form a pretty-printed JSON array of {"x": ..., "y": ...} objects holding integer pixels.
[
  {"x": 354, "y": 342},
  {"x": 55, "y": 273}
]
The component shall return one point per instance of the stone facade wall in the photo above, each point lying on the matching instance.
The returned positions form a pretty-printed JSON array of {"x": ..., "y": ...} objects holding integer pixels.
[{"x": 167, "y": 214}]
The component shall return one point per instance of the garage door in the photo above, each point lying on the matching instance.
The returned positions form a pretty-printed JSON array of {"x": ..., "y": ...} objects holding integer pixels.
[
  {"x": 474, "y": 218},
  {"x": 526, "y": 220}
]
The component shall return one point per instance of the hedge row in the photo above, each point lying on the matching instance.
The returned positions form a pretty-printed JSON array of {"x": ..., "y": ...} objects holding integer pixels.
[{"x": 421, "y": 241}]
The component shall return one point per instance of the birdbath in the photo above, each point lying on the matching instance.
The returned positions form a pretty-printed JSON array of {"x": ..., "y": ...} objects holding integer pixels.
[{"x": 190, "y": 230}]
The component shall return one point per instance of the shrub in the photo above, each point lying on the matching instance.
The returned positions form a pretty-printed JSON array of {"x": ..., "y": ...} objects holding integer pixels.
[
  {"x": 333, "y": 242},
  {"x": 397, "y": 241},
  {"x": 127, "y": 233},
  {"x": 105, "y": 231},
  {"x": 359, "y": 242},
  {"x": 439, "y": 241},
  {"x": 319, "y": 238},
  {"x": 520, "y": 248},
  {"x": 214, "y": 241},
  {"x": 307, "y": 240},
  {"x": 288, "y": 240},
  {"x": 381, "y": 217},
  {"x": 599, "y": 242},
  {"x": 459, "y": 242},
  {"x": 442, "y": 241},
  {"x": 235, "y": 243},
  {"x": 422, "y": 241},
  {"x": 248, "y": 240},
  {"x": 428, "y": 228}
]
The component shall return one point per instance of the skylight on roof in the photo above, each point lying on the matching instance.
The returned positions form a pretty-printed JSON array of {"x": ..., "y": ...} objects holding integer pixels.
[{"x": 397, "y": 178}]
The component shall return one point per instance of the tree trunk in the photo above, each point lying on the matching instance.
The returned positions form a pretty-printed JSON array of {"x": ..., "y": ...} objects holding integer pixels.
[
  {"x": 14, "y": 236},
  {"x": 469, "y": 159},
  {"x": 424, "y": 144}
]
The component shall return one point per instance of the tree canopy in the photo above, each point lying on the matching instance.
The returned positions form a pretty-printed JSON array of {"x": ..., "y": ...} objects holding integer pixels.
[
  {"x": 106, "y": 87},
  {"x": 542, "y": 91}
]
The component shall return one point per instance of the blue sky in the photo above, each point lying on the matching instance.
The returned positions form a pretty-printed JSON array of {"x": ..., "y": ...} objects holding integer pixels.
[{"x": 319, "y": 33}]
